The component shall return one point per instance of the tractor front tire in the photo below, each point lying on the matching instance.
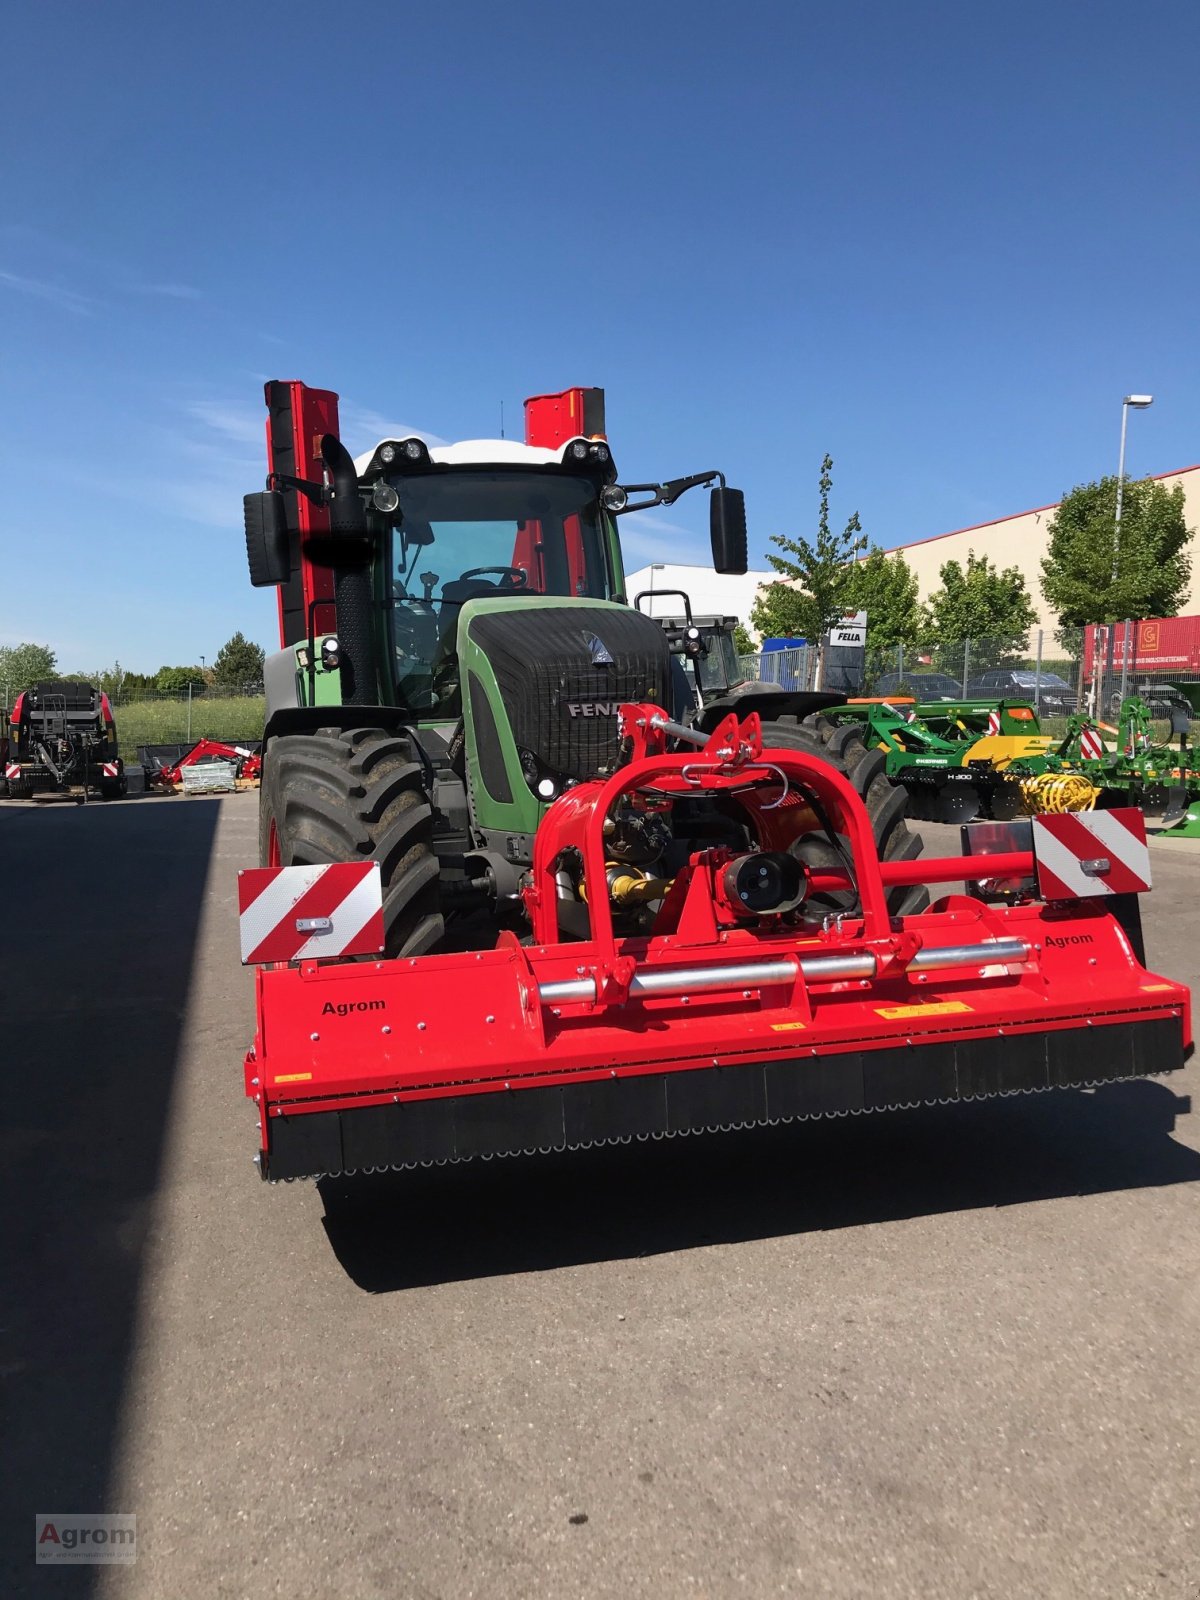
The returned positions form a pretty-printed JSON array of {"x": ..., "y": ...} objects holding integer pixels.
[
  {"x": 356, "y": 794},
  {"x": 843, "y": 747}
]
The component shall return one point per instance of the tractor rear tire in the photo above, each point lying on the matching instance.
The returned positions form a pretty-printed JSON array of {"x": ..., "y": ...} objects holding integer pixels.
[
  {"x": 843, "y": 747},
  {"x": 356, "y": 794}
]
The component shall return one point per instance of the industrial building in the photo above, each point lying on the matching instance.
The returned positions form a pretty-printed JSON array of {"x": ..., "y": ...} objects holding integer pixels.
[
  {"x": 1022, "y": 541},
  {"x": 710, "y": 593}
]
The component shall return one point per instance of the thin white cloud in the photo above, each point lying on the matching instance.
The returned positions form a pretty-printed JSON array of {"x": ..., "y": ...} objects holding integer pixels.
[
  {"x": 240, "y": 423},
  {"x": 172, "y": 291},
  {"x": 65, "y": 299},
  {"x": 362, "y": 428},
  {"x": 646, "y": 537}
]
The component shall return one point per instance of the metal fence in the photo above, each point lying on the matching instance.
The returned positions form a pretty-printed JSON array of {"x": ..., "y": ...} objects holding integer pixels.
[
  {"x": 791, "y": 669},
  {"x": 1090, "y": 669},
  {"x": 156, "y": 716}
]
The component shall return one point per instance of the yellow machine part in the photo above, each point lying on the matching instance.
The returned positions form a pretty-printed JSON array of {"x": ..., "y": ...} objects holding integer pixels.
[
  {"x": 1001, "y": 748},
  {"x": 1058, "y": 791}
]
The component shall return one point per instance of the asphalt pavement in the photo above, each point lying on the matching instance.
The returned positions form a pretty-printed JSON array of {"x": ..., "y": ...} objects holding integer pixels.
[{"x": 945, "y": 1352}]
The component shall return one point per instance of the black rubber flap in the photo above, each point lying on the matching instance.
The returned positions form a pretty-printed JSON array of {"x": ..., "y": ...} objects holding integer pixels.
[{"x": 505, "y": 1121}]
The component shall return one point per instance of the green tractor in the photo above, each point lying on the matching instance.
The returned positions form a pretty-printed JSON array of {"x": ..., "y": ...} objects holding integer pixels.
[{"x": 457, "y": 643}]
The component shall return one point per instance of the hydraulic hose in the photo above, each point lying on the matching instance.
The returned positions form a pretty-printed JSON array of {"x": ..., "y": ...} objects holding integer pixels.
[{"x": 1058, "y": 791}]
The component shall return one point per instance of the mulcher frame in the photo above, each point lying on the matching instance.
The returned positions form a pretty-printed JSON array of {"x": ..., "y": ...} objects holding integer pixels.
[{"x": 712, "y": 1020}]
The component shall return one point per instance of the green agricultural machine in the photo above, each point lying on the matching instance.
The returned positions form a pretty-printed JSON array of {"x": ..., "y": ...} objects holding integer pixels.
[
  {"x": 952, "y": 757},
  {"x": 1082, "y": 771}
]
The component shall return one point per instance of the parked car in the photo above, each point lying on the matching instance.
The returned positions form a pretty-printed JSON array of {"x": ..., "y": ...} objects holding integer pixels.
[
  {"x": 920, "y": 685},
  {"x": 1054, "y": 695},
  {"x": 1162, "y": 698}
]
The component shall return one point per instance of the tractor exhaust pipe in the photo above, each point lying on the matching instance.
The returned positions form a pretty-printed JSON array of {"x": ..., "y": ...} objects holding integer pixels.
[{"x": 351, "y": 575}]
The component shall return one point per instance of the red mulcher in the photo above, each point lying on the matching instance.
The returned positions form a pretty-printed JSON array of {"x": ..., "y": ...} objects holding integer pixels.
[{"x": 765, "y": 953}]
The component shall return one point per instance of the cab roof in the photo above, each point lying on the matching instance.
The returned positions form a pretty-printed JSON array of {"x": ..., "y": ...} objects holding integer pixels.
[{"x": 470, "y": 453}]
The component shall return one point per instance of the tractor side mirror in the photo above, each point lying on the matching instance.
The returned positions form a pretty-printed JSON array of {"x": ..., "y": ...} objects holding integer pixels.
[
  {"x": 267, "y": 539},
  {"x": 727, "y": 529}
]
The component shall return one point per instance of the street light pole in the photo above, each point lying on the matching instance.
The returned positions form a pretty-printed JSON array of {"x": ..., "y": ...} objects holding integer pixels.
[{"x": 1136, "y": 402}]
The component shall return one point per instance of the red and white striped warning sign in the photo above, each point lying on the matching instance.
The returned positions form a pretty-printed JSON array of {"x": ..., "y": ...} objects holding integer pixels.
[
  {"x": 993, "y": 721},
  {"x": 309, "y": 913},
  {"x": 12, "y": 770},
  {"x": 1091, "y": 744},
  {"x": 1085, "y": 853},
  {"x": 110, "y": 769}
]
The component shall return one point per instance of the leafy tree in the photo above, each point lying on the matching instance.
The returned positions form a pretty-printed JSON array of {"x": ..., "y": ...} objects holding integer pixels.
[
  {"x": 1153, "y": 564},
  {"x": 742, "y": 642},
  {"x": 115, "y": 681},
  {"x": 23, "y": 664},
  {"x": 811, "y": 601},
  {"x": 177, "y": 680},
  {"x": 990, "y": 607},
  {"x": 885, "y": 587},
  {"x": 238, "y": 662}
]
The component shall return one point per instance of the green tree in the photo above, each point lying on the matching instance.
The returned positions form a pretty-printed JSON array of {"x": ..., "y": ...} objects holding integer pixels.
[
  {"x": 817, "y": 571},
  {"x": 742, "y": 642},
  {"x": 23, "y": 664},
  {"x": 115, "y": 681},
  {"x": 239, "y": 662},
  {"x": 1153, "y": 564},
  {"x": 177, "y": 680},
  {"x": 980, "y": 603},
  {"x": 885, "y": 587}
]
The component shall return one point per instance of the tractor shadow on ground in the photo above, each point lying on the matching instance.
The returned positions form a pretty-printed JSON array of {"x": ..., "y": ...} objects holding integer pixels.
[
  {"x": 395, "y": 1231},
  {"x": 104, "y": 905}
]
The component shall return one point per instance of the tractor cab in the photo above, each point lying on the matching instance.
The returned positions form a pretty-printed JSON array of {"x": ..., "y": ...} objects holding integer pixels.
[{"x": 514, "y": 534}]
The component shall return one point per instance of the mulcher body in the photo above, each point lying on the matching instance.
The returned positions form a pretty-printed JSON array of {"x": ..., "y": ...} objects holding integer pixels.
[{"x": 611, "y": 906}]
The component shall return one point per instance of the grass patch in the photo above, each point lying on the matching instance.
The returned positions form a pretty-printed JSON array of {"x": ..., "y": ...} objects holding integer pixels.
[{"x": 166, "y": 721}]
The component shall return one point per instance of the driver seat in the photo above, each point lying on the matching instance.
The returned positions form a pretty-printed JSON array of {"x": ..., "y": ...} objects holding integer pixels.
[{"x": 459, "y": 590}]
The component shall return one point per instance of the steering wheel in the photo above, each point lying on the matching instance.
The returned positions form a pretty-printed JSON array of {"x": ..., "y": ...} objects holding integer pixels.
[{"x": 514, "y": 573}]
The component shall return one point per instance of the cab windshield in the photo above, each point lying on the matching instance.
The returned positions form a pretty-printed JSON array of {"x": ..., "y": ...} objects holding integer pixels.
[
  {"x": 482, "y": 534},
  {"x": 719, "y": 668}
]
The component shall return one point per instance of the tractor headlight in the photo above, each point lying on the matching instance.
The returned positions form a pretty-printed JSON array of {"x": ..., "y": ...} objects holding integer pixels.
[
  {"x": 599, "y": 452},
  {"x": 543, "y": 784},
  {"x": 613, "y": 498},
  {"x": 384, "y": 497},
  {"x": 407, "y": 452},
  {"x": 577, "y": 450}
]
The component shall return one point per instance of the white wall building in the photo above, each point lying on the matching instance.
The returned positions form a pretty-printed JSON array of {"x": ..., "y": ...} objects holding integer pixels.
[{"x": 711, "y": 594}]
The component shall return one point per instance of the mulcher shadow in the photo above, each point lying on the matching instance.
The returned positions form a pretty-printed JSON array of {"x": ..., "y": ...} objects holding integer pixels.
[{"x": 528, "y": 1214}]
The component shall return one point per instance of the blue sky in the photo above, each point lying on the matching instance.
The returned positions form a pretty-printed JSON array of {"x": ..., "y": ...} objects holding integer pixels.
[{"x": 940, "y": 241}]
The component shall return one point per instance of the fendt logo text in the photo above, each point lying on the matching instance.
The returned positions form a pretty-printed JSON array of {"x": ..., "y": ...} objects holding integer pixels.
[{"x": 593, "y": 708}]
